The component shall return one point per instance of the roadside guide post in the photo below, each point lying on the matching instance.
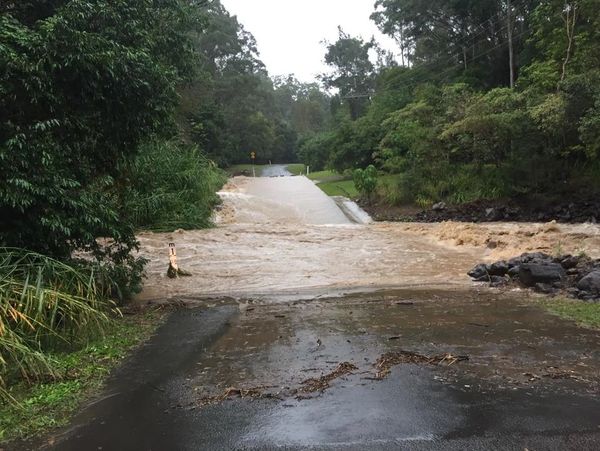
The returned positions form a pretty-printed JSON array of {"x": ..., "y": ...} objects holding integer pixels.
[
  {"x": 253, "y": 157},
  {"x": 173, "y": 269}
]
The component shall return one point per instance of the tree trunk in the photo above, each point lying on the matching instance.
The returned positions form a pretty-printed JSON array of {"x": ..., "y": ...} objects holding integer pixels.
[
  {"x": 511, "y": 56},
  {"x": 570, "y": 19}
]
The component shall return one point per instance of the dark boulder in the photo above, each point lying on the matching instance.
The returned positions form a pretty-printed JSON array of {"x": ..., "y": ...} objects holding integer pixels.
[
  {"x": 499, "y": 268},
  {"x": 569, "y": 261},
  {"x": 479, "y": 271},
  {"x": 531, "y": 274},
  {"x": 514, "y": 271},
  {"x": 590, "y": 283}
]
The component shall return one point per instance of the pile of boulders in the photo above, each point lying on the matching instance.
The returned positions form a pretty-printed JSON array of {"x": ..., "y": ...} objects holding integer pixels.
[
  {"x": 577, "y": 276},
  {"x": 578, "y": 211}
]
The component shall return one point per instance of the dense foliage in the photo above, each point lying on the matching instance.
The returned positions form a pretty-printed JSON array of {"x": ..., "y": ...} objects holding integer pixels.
[
  {"x": 448, "y": 121},
  {"x": 172, "y": 187},
  {"x": 234, "y": 108}
]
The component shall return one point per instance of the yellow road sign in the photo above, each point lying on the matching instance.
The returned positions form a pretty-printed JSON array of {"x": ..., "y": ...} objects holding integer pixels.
[{"x": 253, "y": 155}]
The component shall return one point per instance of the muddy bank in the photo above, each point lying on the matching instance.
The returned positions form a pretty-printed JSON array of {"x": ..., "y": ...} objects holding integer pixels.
[{"x": 571, "y": 211}]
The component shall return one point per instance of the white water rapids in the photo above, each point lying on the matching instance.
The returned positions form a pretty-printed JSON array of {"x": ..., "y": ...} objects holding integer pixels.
[{"x": 283, "y": 236}]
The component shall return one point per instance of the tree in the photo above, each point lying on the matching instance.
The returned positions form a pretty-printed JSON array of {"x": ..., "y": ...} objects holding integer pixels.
[
  {"x": 77, "y": 95},
  {"x": 353, "y": 72}
]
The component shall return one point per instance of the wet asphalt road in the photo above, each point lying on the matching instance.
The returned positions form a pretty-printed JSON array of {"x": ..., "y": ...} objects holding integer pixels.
[
  {"x": 275, "y": 170},
  {"x": 151, "y": 403}
]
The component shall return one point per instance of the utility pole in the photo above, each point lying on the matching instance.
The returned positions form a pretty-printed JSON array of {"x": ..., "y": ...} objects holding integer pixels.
[{"x": 511, "y": 56}]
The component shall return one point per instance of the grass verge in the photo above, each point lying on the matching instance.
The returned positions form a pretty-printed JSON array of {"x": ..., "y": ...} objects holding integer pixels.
[
  {"x": 296, "y": 168},
  {"x": 583, "y": 313},
  {"x": 46, "y": 405},
  {"x": 327, "y": 176},
  {"x": 342, "y": 188},
  {"x": 244, "y": 169}
]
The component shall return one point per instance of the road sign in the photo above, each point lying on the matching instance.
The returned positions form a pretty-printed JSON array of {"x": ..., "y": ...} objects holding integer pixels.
[{"x": 253, "y": 155}]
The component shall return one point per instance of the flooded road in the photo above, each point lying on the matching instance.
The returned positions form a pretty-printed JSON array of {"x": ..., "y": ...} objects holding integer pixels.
[
  {"x": 311, "y": 331},
  {"x": 284, "y": 235}
]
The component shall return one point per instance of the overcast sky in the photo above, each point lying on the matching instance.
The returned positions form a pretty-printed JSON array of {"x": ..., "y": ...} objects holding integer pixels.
[{"x": 289, "y": 32}]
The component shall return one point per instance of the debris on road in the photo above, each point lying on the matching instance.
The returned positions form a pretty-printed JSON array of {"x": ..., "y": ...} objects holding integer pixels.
[
  {"x": 234, "y": 392},
  {"x": 387, "y": 361},
  {"x": 322, "y": 383}
]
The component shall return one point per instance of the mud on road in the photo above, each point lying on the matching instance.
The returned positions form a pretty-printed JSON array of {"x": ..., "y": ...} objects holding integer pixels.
[{"x": 236, "y": 377}]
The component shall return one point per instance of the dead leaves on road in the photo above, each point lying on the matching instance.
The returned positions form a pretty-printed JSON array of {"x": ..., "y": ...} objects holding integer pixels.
[
  {"x": 382, "y": 366},
  {"x": 387, "y": 361},
  {"x": 322, "y": 383}
]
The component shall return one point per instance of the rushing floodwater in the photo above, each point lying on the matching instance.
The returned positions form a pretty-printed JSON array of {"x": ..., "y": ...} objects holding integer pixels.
[{"x": 278, "y": 235}]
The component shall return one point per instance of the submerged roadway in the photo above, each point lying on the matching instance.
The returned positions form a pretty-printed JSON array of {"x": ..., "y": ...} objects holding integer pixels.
[{"x": 334, "y": 364}]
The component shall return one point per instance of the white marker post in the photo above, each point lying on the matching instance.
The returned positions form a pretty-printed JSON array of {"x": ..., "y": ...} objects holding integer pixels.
[{"x": 173, "y": 268}]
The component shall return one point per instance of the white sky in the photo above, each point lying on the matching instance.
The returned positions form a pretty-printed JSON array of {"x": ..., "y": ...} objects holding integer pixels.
[{"x": 289, "y": 32}]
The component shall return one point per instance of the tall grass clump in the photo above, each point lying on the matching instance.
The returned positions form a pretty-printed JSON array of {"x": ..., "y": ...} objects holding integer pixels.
[
  {"x": 172, "y": 186},
  {"x": 45, "y": 305}
]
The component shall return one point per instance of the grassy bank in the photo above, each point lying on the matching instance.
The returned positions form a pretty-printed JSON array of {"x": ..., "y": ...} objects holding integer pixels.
[
  {"x": 42, "y": 406},
  {"x": 583, "y": 313},
  {"x": 296, "y": 168}
]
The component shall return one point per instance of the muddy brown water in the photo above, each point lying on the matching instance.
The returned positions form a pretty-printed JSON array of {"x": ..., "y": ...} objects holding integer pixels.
[{"x": 283, "y": 235}]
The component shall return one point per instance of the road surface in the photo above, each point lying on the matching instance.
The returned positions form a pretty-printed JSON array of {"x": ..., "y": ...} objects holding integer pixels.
[{"x": 310, "y": 332}]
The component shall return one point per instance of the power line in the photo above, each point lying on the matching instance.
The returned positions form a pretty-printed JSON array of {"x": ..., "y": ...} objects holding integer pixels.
[{"x": 458, "y": 54}]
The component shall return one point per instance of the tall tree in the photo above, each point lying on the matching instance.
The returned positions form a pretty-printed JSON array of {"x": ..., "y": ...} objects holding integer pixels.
[{"x": 353, "y": 72}]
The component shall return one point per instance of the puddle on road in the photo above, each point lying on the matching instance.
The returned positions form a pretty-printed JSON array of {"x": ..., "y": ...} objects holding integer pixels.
[{"x": 509, "y": 343}]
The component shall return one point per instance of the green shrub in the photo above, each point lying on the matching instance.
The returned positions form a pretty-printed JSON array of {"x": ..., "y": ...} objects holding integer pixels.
[
  {"x": 365, "y": 181},
  {"x": 172, "y": 187},
  {"x": 46, "y": 305}
]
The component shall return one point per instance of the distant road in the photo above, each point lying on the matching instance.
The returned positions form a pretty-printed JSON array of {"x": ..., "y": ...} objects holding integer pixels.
[{"x": 276, "y": 170}]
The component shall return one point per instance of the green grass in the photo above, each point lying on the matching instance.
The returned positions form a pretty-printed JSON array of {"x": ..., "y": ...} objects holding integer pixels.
[
  {"x": 342, "y": 188},
  {"x": 327, "y": 176},
  {"x": 49, "y": 404},
  {"x": 245, "y": 169},
  {"x": 296, "y": 168},
  {"x": 583, "y": 313},
  {"x": 336, "y": 184}
]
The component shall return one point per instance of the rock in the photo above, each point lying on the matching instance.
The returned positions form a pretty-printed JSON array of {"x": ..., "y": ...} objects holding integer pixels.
[
  {"x": 499, "y": 268},
  {"x": 497, "y": 281},
  {"x": 538, "y": 257},
  {"x": 544, "y": 288},
  {"x": 439, "y": 206},
  {"x": 531, "y": 274},
  {"x": 515, "y": 261},
  {"x": 514, "y": 271},
  {"x": 479, "y": 271},
  {"x": 569, "y": 261},
  {"x": 590, "y": 283}
]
